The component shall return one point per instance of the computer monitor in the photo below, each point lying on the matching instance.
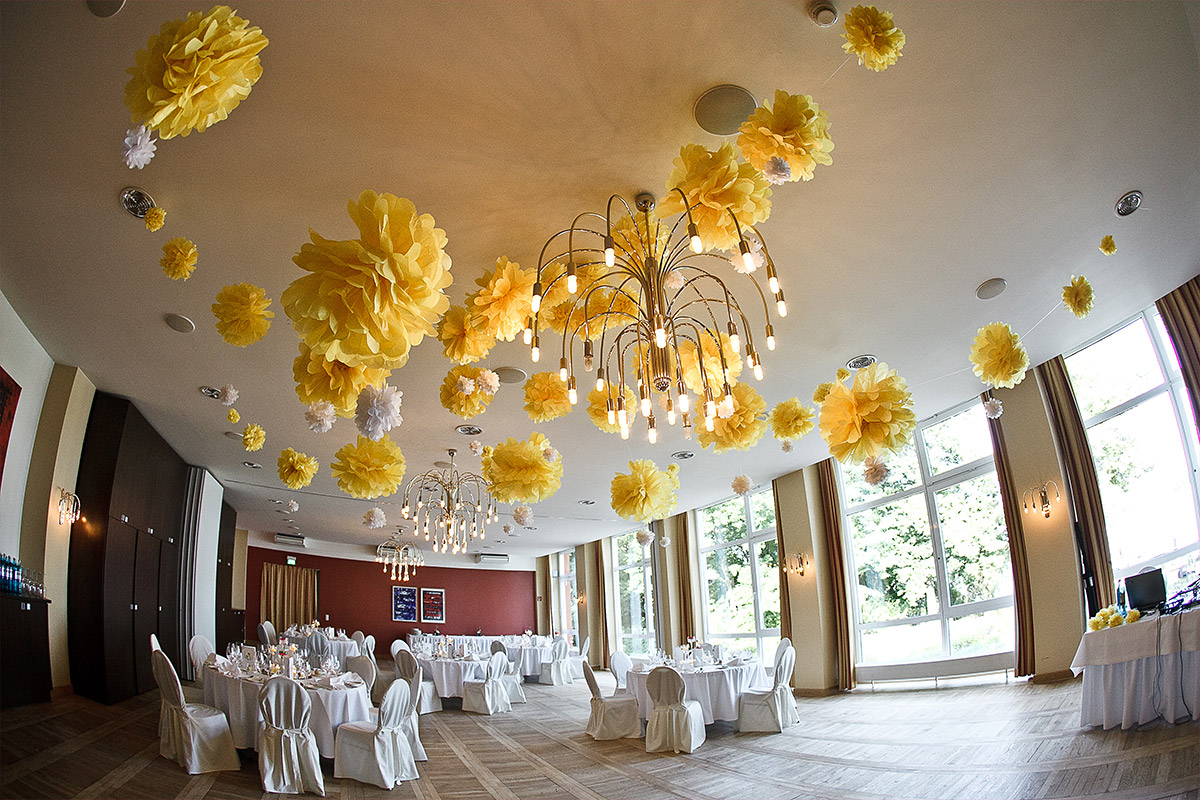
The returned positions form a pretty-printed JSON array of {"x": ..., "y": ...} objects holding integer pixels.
[{"x": 1146, "y": 590}]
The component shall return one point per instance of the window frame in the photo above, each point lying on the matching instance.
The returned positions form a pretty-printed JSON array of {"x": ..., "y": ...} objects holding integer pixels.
[
  {"x": 565, "y": 592},
  {"x": 646, "y": 564}
]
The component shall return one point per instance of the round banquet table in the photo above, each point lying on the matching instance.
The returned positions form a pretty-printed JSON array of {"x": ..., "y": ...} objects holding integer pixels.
[
  {"x": 715, "y": 688},
  {"x": 238, "y": 698},
  {"x": 342, "y": 648},
  {"x": 448, "y": 674},
  {"x": 529, "y": 659}
]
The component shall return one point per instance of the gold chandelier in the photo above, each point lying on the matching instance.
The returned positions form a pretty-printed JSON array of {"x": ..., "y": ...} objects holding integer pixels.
[
  {"x": 648, "y": 301},
  {"x": 459, "y": 505},
  {"x": 402, "y": 558}
]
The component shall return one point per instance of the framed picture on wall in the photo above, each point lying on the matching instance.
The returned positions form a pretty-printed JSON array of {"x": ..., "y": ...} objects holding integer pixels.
[
  {"x": 404, "y": 604},
  {"x": 433, "y": 605},
  {"x": 9, "y": 393}
]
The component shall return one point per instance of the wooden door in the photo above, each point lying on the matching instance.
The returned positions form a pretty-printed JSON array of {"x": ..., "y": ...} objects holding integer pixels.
[
  {"x": 145, "y": 607},
  {"x": 120, "y": 551},
  {"x": 168, "y": 604}
]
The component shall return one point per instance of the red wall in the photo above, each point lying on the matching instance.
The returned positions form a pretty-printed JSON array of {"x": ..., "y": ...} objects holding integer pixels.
[{"x": 357, "y": 595}]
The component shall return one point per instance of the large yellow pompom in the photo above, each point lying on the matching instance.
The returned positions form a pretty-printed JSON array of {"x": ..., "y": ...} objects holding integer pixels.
[
  {"x": 872, "y": 35},
  {"x": 463, "y": 341},
  {"x": 1077, "y": 296},
  {"x": 597, "y": 407},
  {"x": 714, "y": 367},
  {"x": 253, "y": 437},
  {"x": 522, "y": 471},
  {"x": 546, "y": 397},
  {"x": 296, "y": 470},
  {"x": 794, "y": 129},
  {"x": 242, "y": 314},
  {"x": 790, "y": 420},
  {"x": 715, "y": 183},
  {"x": 368, "y": 469},
  {"x": 505, "y": 299},
  {"x": 646, "y": 493},
  {"x": 179, "y": 258},
  {"x": 455, "y": 400},
  {"x": 743, "y": 428},
  {"x": 368, "y": 301},
  {"x": 870, "y": 417},
  {"x": 194, "y": 72},
  {"x": 998, "y": 357},
  {"x": 332, "y": 381}
]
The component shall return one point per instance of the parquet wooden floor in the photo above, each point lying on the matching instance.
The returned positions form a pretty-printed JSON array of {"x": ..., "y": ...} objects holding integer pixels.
[{"x": 978, "y": 741}]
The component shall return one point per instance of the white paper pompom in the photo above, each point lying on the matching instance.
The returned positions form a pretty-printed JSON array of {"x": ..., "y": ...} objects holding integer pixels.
[
  {"x": 644, "y": 537},
  {"x": 550, "y": 454},
  {"x": 787, "y": 446},
  {"x": 139, "y": 147},
  {"x": 465, "y": 384},
  {"x": 489, "y": 382},
  {"x": 777, "y": 171},
  {"x": 320, "y": 416},
  {"x": 757, "y": 259},
  {"x": 674, "y": 281},
  {"x": 375, "y": 518},
  {"x": 378, "y": 411},
  {"x": 741, "y": 484},
  {"x": 664, "y": 541},
  {"x": 476, "y": 447},
  {"x": 522, "y": 515},
  {"x": 992, "y": 408},
  {"x": 229, "y": 395},
  {"x": 875, "y": 471},
  {"x": 292, "y": 506},
  {"x": 507, "y": 528}
]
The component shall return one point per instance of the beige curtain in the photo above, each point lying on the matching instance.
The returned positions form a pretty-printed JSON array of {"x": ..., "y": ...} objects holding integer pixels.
[
  {"x": 1181, "y": 313},
  {"x": 785, "y": 602},
  {"x": 599, "y": 596},
  {"x": 1082, "y": 484},
  {"x": 544, "y": 590},
  {"x": 831, "y": 509},
  {"x": 683, "y": 550},
  {"x": 1018, "y": 555},
  {"x": 289, "y": 595}
]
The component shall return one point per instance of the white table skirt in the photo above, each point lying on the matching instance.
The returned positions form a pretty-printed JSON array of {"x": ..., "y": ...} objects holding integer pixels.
[
  {"x": 238, "y": 698},
  {"x": 529, "y": 659},
  {"x": 341, "y": 648},
  {"x": 477, "y": 644},
  {"x": 714, "y": 688},
  {"x": 448, "y": 674}
]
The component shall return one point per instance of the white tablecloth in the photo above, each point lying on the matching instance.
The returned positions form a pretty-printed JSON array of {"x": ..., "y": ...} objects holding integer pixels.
[
  {"x": 448, "y": 674},
  {"x": 715, "y": 688},
  {"x": 477, "y": 644},
  {"x": 238, "y": 698},
  {"x": 341, "y": 648},
  {"x": 529, "y": 659},
  {"x": 1134, "y": 674}
]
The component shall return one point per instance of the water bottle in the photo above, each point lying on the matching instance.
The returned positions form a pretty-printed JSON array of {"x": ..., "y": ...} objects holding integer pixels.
[
  {"x": 18, "y": 585},
  {"x": 1121, "y": 599}
]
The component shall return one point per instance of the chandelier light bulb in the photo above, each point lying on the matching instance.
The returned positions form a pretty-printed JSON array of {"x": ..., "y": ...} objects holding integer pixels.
[
  {"x": 758, "y": 371},
  {"x": 652, "y": 435},
  {"x": 670, "y": 416},
  {"x": 622, "y": 417},
  {"x": 535, "y": 354},
  {"x": 528, "y": 335},
  {"x": 562, "y": 370},
  {"x": 572, "y": 280},
  {"x": 685, "y": 402},
  {"x": 747, "y": 257},
  {"x": 588, "y": 363},
  {"x": 773, "y": 283},
  {"x": 537, "y": 297},
  {"x": 612, "y": 415},
  {"x": 781, "y": 307},
  {"x": 710, "y": 409},
  {"x": 694, "y": 236},
  {"x": 735, "y": 341},
  {"x": 600, "y": 382},
  {"x": 624, "y": 432},
  {"x": 708, "y": 424},
  {"x": 610, "y": 252},
  {"x": 771, "y": 341},
  {"x": 727, "y": 403},
  {"x": 572, "y": 394},
  {"x": 660, "y": 337},
  {"x": 645, "y": 406}
]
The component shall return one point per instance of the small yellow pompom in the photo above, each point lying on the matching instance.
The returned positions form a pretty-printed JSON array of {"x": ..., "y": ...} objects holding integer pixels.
[
  {"x": 233, "y": 416},
  {"x": 1133, "y": 616},
  {"x": 842, "y": 374},
  {"x": 253, "y": 437},
  {"x": 822, "y": 391},
  {"x": 155, "y": 217},
  {"x": 1078, "y": 295},
  {"x": 1108, "y": 245},
  {"x": 179, "y": 258}
]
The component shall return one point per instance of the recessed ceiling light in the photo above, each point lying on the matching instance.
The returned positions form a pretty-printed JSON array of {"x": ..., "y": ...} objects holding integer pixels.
[
  {"x": 587, "y": 502},
  {"x": 510, "y": 374},
  {"x": 105, "y": 8},
  {"x": 722, "y": 109},
  {"x": 442, "y": 464},
  {"x": 513, "y": 535},
  {"x": 1129, "y": 203},
  {"x": 289, "y": 520},
  {"x": 823, "y": 13},
  {"x": 858, "y": 362},
  {"x": 209, "y": 391},
  {"x": 138, "y": 201},
  {"x": 469, "y": 430},
  {"x": 682, "y": 455},
  {"x": 531, "y": 527},
  {"x": 251, "y": 465},
  {"x": 238, "y": 436},
  {"x": 992, "y": 287},
  {"x": 178, "y": 322},
  {"x": 276, "y": 502}
]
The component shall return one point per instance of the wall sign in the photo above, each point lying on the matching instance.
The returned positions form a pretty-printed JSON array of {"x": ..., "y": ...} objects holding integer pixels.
[
  {"x": 433, "y": 605},
  {"x": 404, "y": 604}
]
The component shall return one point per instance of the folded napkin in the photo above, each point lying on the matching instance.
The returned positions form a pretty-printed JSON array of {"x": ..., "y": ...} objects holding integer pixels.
[
  {"x": 215, "y": 660},
  {"x": 733, "y": 662},
  {"x": 345, "y": 681}
]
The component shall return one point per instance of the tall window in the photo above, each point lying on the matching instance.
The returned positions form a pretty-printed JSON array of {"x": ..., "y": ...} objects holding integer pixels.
[
  {"x": 633, "y": 576},
  {"x": 565, "y": 589},
  {"x": 1142, "y": 436},
  {"x": 930, "y": 548},
  {"x": 739, "y": 558}
]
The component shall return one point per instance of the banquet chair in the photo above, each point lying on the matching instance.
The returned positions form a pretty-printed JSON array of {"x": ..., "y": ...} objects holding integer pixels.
[
  {"x": 199, "y": 649},
  {"x": 578, "y": 660},
  {"x": 379, "y": 752},
  {"x": 512, "y": 678},
  {"x": 675, "y": 724},
  {"x": 428, "y": 700},
  {"x": 318, "y": 649},
  {"x": 488, "y": 696},
  {"x": 272, "y": 636},
  {"x": 612, "y": 717},
  {"x": 499, "y": 647},
  {"x": 195, "y": 735},
  {"x": 358, "y": 637},
  {"x": 774, "y": 709},
  {"x": 784, "y": 644},
  {"x": 620, "y": 664},
  {"x": 411, "y": 719},
  {"x": 365, "y": 669},
  {"x": 154, "y": 645},
  {"x": 287, "y": 750},
  {"x": 557, "y": 672},
  {"x": 397, "y": 646},
  {"x": 264, "y": 638}
]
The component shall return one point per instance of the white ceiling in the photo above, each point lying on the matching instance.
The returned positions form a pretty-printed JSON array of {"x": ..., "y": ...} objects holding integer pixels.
[{"x": 996, "y": 147}]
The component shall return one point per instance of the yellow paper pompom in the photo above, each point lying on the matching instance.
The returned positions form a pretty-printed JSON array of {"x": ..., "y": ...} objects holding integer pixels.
[
  {"x": 741, "y": 430},
  {"x": 1116, "y": 621},
  {"x": 872, "y": 35},
  {"x": 998, "y": 357},
  {"x": 714, "y": 367},
  {"x": 368, "y": 301},
  {"x": 520, "y": 472},
  {"x": 155, "y": 218},
  {"x": 1095, "y": 624},
  {"x": 1133, "y": 616},
  {"x": 463, "y": 340},
  {"x": 504, "y": 301},
  {"x": 794, "y": 129},
  {"x": 367, "y": 469},
  {"x": 546, "y": 397},
  {"x": 1077, "y": 296},
  {"x": 597, "y": 407},
  {"x": 868, "y": 418},
  {"x": 1108, "y": 245},
  {"x": 842, "y": 374},
  {"x": 242, "y": 314},
  {"x": 233, "y": 416},
  {"x": 646, "y": 493},
  {"x": 790, "y": 420},
  {"x": 822, "y": 391},
  {"x": 715, "y": 183},
  {"x": 454, "y": 400},
  {"x": 253, "y": 437},
  {"x": 179, "y": 258},
  {"x": 296, "y": 470},
  {"x": 332, "y": 381}
]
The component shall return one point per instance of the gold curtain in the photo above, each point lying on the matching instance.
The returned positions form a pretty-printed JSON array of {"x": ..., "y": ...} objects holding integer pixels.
[
  {"x": 683, "y": 550},
  {"x": 545, "y": 590},
  {"x": 289, "y": 595},
  {"x": 598, "y": 595},
  {"x": 785, "y": 602},
  {"x": 1181, "y": 314},
  {"x": 831, "y": 509},
  {"x": 1082, "y": 485},
  {"x": 1018, "y": 555}
]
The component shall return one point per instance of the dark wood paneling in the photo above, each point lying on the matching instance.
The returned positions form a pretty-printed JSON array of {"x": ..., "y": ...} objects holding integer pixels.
[
  {"x": 120, "y": 551},
  {"x": 168, "y": 602},
  {"x": 145, "y": 607},
  {"x": 133, "y": 481},
  {"x": 226, "y": 621},
  {"x": 25, "y": 654}
]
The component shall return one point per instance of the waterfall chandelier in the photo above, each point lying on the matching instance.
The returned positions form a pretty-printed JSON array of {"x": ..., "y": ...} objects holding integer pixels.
[
  {"x": 653, "y": 293},
  {"x": 458, "y": 504},
  {"x": 402, "y": 558}
]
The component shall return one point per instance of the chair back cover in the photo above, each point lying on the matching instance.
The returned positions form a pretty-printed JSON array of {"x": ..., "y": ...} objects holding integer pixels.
[
  {"x": 284, "y": 704},
  {"x": 583, "y": 648},
  {"x": 395, "y": 706},
  {"x": 263, "y": 637},
  {"x": 498, "y": 647},
  {"x": 367, "y": 648},
  {"x": 590, "y": 677},
  {"x": 497, "y": 666},
  {"x": 197, "y": 736},
  {"x": 396, "y": 647},
  {"x": 784, "y": 644},
  {"x": 560, "y": 650},
  {"x": 287, "y": 756},
  {"x": 620, "y": 665},
  {"x": 199, "y": 649},
  {"x": 665, "y": 686},
  {"x": 414, "y": 690},
  {"x": 358, "y": 637},
  {"x": 154, "y": 645},
  {"x": 272, "y": 636},
  {"x": 364, "y": 668},
  {"x": 784, "y": 667},
  {"x": 406, "y": 665},
  {"x": 167, "y": 679}
]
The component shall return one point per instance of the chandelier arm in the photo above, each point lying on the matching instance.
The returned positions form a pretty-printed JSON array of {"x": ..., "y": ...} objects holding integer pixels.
[{"x": 608, "y": 210}]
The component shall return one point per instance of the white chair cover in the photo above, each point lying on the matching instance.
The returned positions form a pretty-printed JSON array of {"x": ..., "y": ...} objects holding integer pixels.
[
  {"x": 612, "y": 717},
  {"x": 358, "y": 637},
  {"x": 272, "y": 636},
  {"x": 288, "y": 759},
  {"x": 428, "y": 699},
  {"x": 154, "y": 645},
  {"x": 318, "y": 649},
  {"x": 620, "y": 664},
  {"x": 195, "y": 735},
  {"x": 512, "y": 678},
  {"x": 577, "y": 660},
  {"x": 784, "y": 644},
  {"x": 775, "y": 709},
  {"x": 396, "y": 647},
  {"x": 489, "y": 695},
  {"x": 367, "y": 648},
  {"x": 199, "y": 649},
  {"x": 558, "y": 671},
  {"x": 364, "y": 668},
  {"x": 378, "y": 754},
  {"x": 499, "y": 647},
  {"x": 411, "y": 718},
  {"x": 675, "y": 724}
]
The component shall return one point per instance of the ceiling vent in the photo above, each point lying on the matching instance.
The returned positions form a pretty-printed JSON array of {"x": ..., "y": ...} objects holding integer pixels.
[
  {"x": 491, "y": 558},
  {"x": 292, "y": 540}
]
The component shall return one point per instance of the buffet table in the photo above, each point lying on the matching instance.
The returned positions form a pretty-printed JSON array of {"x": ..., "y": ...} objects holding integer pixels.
[
  {"x": 474, "y": 644},
  {"x": 342, "y": 647},
  {"x": 1136, "y": 673},
  {"x": 529, "y": 658},
  {"x": 448, "y": 674},
  {"x": 715, "y": 688}
]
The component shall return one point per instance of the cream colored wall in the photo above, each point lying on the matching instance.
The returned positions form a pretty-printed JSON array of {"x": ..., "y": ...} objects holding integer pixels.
[{"x": 240, "y": 539}]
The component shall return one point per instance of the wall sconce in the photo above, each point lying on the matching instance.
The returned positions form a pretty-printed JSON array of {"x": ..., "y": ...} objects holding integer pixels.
[
  {"x": 797, "y": 564},
  {"x": 1040, "y": 498},
  {"x": 580, "y": 599},
  {"x": 68, "y": 507}
]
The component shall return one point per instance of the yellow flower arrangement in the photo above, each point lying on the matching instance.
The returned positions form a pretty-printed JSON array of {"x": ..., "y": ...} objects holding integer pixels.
[
  {"x": 1077, "y": 296},
  {"x": 546, "y": 397},
  {"x": 1110, "y": 617},
  {"x": 822, "y": 391},
  {"x": 332, "y": 381},
  {"x": 194, "y": 72},
  {"x": 155, "y": 218},
  {"x": 462, "y": 341},
  {"x": 597, "y": 408},
  {"x": 741, "y": 430},
  {"x": 368, "y": 301},
  {"x": 296, "y": 470},
  {"x": 870, "y": 417},
  {"x": 791, "y": 419},
  {"x": 712, "y": 364},
  {"x": 242, "y": 314},
  {"x": 794, "y": 128},
  {"x": 367, "y": 469},
  {"x": 233, "y": 416},
  {"x": 998, "y": 357},
  {"x": 1133, "y": 616},
  {"x": 519, "y": 472},
  {"x": 253, "y": 437},
  {"x": 872, "y": 35},
  {"x": 1108, "y": 245},
  {"x": 504, "y": 300},
  {"x": 715, "y": 183},
  {"x": 455, "y": 401},
  {"x": 647, "y": 492},
  {"x": 179, "y": 258}
]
